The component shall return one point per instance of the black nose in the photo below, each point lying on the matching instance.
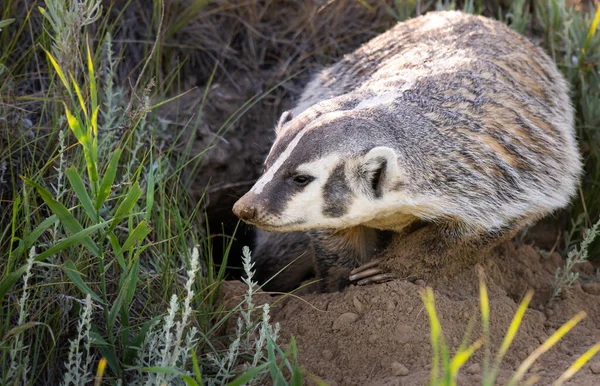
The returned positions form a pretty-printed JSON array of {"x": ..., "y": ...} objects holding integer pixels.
[{"x": 243, "y": 210}]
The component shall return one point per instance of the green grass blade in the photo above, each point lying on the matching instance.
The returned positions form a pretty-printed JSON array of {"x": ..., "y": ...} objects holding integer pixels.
[
  {"x": 551, "y": 341},
  {"x": 65, "y": 217},
  {"x": 24, "y": 327},
  {"x": 35, "y": 235},
  {"x": 79, "y": 96},
  {"x": 189, "y": 380},
  {"x": 133, "y": 349},
  {"x": 76, "y": 128},
  {"x": 7, "y": 283},
  {"x": 81, "y": 192},
  {"x": 95, "y": 123},
  {"x": 117, "y": 250},
  {"x": 461, "y": 357},
  {"x": 71, "y": 271},
  {"x": 133, "y": 280},
  {"x": 590, "y": 35},
  {"x": 150, "y": 189},
  {"x": 577, "y": 365},
  {"x": 108, "y": 179},
  {"x": 275, "y": 372},
  {"x": 58, "y": 70},
  {"x": 297, "y": 373},
  {"x": 484, "y": 303},
  {"x": 435, "y": 332},
  {"x": 197, "y": 371},
  {"x": 139, "y": 233},
  {"x": 490, "y": 378},
  {"x": 92, "y": 80},
  {"x": 188, "y": 14},
  {"x": 248, "y": 375},
  {"x": 6, "y": 22},
  {"x": 127, "y": 205}
]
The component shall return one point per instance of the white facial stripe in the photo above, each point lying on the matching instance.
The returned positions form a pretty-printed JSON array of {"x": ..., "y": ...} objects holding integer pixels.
[{"x": 268, "y": 176}]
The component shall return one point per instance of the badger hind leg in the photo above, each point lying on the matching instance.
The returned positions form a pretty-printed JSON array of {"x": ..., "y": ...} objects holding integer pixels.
[{"x": 431, "y": 251}]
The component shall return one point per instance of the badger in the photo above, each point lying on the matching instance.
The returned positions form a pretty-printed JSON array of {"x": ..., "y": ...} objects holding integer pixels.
[{"x": 433, "y": 141}]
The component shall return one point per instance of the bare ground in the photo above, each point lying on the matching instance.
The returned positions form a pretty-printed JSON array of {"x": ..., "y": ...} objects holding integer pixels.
[{"x": 379, "y": 334}]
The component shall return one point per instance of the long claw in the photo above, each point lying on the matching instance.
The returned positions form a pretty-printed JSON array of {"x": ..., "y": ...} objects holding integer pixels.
[
  {"x": 364, "y": 267},
  {"x": 365, "y": 273},
  {"x": 376, "y": 279}
]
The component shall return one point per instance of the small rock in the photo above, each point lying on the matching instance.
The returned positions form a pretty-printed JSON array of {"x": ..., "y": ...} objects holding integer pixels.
[
  {"x": 595, "y": 367},
  {"x": 390, "y": 306},
  {"x": 420, "y": 282},
  {"x": 398, "y": 369},
  {"x": 358, "y": 306},
  {"x": 475, "y": 368},
  {"x": 373, "y": 338},
  {"x": 549, "y": 313},
  {"x": 344, "y": 320},
  {"x": 591, "y": 288},
  {"x": 327, "y": 355}
]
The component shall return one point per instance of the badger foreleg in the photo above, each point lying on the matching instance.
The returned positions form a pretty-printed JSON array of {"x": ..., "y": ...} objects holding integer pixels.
[
  {"x": 433, "y": 250},
  {"x": 337, "y": 252}
]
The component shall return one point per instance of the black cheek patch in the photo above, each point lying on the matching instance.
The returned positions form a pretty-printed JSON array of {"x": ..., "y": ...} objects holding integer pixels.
[
  {"x": 277, "y": 197},
  {"x": 336, "y": 193}
]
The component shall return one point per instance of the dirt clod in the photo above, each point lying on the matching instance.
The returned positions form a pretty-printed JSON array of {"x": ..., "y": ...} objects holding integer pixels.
[
  {"x": 595, "y": 367},
  {"x": 358, "y": 306},
  {"x": 591, "y": 288},
  {"x": 399, "y": 370},
  {"x": 327, "y": 355},
  {"x": 344, "y": 320},
  {"x": 475, "y": 368}
]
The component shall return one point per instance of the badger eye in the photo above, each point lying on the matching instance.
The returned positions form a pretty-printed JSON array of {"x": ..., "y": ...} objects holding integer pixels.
[{"x": 302, "y": 180}]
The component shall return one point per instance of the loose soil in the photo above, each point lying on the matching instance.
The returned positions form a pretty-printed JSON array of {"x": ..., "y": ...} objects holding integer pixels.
[{"x": 379, "y": 334}]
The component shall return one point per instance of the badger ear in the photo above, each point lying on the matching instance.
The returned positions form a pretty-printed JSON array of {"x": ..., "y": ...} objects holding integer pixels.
[
  {"x": 285, "y": 118},
  {"x": 380, "y": 169}
]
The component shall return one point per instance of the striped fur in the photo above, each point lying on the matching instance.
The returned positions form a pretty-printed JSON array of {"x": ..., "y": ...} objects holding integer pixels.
[{"x": 471, "y": 124}]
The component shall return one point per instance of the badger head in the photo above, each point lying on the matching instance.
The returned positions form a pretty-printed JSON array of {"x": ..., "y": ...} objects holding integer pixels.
[{"x": 326, "y": 170}]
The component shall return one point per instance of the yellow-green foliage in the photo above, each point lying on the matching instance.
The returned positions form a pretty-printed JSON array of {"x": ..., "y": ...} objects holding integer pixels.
[{"x": 445, "y": 375}]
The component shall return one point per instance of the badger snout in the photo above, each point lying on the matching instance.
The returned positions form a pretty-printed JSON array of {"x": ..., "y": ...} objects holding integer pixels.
[{"x": 245, "y": 207}]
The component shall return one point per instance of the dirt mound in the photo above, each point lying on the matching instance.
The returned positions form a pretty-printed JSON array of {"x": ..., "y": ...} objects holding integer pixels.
[{"x": 379, "y": 334}]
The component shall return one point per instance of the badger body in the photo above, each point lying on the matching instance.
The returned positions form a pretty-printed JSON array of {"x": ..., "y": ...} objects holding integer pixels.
[{"x": 450, "y": 121}]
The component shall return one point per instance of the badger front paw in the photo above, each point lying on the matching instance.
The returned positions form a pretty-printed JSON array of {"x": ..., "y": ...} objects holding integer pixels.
[
  {"x": 336, "y": 280},
  {"x": 370, "y": 273}
]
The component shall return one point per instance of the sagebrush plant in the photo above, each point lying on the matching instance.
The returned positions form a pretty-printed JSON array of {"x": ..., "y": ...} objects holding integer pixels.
[
  {"x": 66, "y": 20},
  {"x": 565, "y": 277}
]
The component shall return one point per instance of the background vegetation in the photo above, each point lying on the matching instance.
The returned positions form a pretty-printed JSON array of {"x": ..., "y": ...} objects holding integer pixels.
[{"x": 108, "y": 113}]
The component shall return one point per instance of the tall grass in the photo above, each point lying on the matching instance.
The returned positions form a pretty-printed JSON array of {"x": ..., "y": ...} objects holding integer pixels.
[{"x": 106, "y": 265}]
